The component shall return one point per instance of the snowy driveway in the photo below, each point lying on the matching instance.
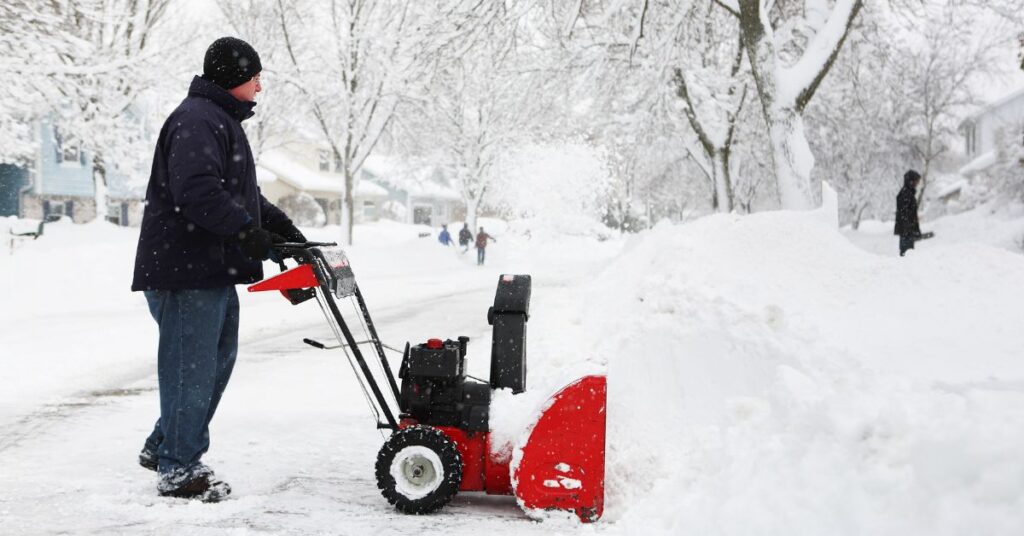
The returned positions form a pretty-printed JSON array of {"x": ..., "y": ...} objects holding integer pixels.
[{"x": 293, "y": 437}]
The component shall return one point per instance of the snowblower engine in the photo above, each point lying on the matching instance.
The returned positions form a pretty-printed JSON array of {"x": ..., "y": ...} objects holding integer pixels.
[{"x": 435, "y": 388}]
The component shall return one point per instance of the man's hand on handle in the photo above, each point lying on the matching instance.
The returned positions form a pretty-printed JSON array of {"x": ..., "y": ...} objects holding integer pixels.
[{"x": 256, "y": 242}]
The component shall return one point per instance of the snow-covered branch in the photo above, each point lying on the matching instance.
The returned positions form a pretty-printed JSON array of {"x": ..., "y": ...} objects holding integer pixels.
[{"x": 799, "y": 82}]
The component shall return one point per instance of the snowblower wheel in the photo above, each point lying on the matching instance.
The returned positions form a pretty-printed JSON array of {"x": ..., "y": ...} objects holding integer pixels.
[{"x": 419, "y": 470}]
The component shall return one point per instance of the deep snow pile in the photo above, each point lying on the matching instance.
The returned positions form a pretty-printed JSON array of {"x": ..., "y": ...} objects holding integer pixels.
[{"x": 768, "y": 377}]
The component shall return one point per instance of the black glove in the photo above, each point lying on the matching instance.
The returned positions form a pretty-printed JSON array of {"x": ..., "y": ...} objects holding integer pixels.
[
  {"x": 256, "y": 242},
  {"x": 291, "y": 233}
]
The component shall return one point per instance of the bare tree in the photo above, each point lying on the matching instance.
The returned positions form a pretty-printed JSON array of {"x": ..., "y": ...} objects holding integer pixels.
[
  {"x": 713, "y": 109},
  {"x": 280, "y": 102},
  {"x": 936, "y": 77},
  {"x": 87, "y": 62},
  {"x": 484, "y": 95},
  {"x": 107, "y": 119},
  {"x": 351, "y": 61},
  {"x": 791, "y": 48}
]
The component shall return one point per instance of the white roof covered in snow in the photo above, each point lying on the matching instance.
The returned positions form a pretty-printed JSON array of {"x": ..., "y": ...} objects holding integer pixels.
[
  {"x": 994, "y": 106},
  {"x": 980, "y": 163},
  {"x": 950, "y": 184},
  {"x": 286, "y": 169}
]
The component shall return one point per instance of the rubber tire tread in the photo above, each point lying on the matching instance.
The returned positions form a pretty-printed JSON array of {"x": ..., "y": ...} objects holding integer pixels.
[{"x": 451, "y": 462}]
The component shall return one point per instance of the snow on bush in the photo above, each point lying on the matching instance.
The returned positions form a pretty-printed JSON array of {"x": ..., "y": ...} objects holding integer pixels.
[{"x": 303, "y": 209}]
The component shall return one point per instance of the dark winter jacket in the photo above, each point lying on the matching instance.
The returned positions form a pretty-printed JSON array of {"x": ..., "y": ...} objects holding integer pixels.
[
  {"x": 465, "y": 236},
  {"x": 202, "y": 191},
  {"x": 481, "y": 240},
  {"x": 906, "y": 213}
]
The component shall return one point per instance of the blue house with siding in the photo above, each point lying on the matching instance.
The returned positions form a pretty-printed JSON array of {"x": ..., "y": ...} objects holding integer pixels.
[
  {"x": 59, "y": 182},
  {"x": 62, "y": 182}
]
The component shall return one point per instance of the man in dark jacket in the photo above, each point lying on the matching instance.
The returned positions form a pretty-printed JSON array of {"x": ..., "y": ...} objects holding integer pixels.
[
  {"x": 206, "y": 227},
  {"x": 465, "y": 237},
  {"x": 907, "y": 226}
]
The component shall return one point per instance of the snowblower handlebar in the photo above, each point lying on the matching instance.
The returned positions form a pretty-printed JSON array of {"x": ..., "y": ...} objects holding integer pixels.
[{"x": 298, "y": 251}]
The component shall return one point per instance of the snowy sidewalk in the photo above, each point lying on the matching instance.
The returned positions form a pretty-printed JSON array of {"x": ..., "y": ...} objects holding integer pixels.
[{"x": 293, "y": 436}]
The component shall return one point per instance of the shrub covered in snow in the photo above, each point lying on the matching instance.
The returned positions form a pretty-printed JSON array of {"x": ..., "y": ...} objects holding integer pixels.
[{"x": 303, "y": 209}]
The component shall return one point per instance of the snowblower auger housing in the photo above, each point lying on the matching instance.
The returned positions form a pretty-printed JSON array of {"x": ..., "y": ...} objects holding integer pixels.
[{"x": 441, "y": 436}]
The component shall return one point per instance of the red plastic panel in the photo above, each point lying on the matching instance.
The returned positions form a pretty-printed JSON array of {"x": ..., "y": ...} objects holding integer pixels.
[
  {"x": 561, "y": 466},
  {"x": 473, "y": 448},
  {"x": 497, "y": 473},
  {"x": 299, "y": 277}
]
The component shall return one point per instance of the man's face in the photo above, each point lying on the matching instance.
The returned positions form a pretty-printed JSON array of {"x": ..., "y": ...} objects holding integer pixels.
[{"x": 247, "y": 91}]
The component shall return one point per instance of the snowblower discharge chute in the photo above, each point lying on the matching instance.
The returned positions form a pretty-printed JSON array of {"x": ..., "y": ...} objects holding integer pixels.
[{"x": 440, "y": 441}]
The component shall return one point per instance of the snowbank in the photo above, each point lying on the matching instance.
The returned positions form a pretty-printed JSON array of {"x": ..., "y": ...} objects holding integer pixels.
[{"x": 768, "y": 377}]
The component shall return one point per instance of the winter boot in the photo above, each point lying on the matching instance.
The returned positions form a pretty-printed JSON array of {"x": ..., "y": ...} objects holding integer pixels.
[
  {"x": 196, "y": 482},
  {"x": 148, "y": 459},
  {"x": 217, "y": 491}
]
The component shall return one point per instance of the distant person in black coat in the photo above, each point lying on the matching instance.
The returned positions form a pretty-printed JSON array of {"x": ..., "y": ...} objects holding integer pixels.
[
  {"x": 907, "y": 227},
  {"x": 206, "y": 228},
  {"x": 465, "y": 237}
]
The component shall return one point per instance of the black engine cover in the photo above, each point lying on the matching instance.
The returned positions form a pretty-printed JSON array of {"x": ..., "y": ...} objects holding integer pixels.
[{"x": 435, "y": 389}]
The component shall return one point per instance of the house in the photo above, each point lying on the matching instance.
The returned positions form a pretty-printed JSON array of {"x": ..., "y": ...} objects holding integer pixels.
[
  {"x": 994, "y": 125},
  {"x": 126, "y": 200},
  {"x": 59, "y": 182},
  {"x": 286, "y": 176},
  {"x": 418, "y": 195}
]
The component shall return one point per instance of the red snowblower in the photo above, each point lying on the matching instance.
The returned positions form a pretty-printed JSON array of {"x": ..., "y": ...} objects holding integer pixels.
[{"x": 440, "y": 442}]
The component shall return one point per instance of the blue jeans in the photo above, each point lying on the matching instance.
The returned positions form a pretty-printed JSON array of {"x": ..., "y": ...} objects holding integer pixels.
[
  {"x": 480, "y": 253},
  {"x": 198, "y": 345}
]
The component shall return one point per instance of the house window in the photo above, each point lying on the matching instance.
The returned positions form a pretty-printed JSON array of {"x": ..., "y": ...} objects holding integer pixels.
[
  {"x": 970, "y": 140},
  {"x": 58, "y": 208},
  {"x": 117, "y": 213},
  {"x": 422, "y": 214},
  {"x": 369, "y": 209},
  {"x": 65, "y": 151},
  {"x": 54, "y": 208}
]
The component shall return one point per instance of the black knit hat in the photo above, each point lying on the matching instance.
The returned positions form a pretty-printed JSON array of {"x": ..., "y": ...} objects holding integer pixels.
[
  {"x": 911, "y": 176},
  {"x": 230, "y": 62}
]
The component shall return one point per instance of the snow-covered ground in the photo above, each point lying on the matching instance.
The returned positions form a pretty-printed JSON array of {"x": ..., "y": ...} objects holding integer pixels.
[{"x": 766, "y": 376}]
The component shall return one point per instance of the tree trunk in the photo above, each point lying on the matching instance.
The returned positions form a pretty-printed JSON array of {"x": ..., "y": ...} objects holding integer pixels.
[
  {"x": 783, "y": 98},
  {"x": 858, "y": 214},
  {"x": 792, "y": 158},
  {"x": 471, "y": 209},
  {"x": 791, "y": 154},
  {"x": 347, "y": 205},
  {"x": 924, "y": 181},
  {"x": 723, "y": 183},
  {"x": 99, "y": 178}
]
